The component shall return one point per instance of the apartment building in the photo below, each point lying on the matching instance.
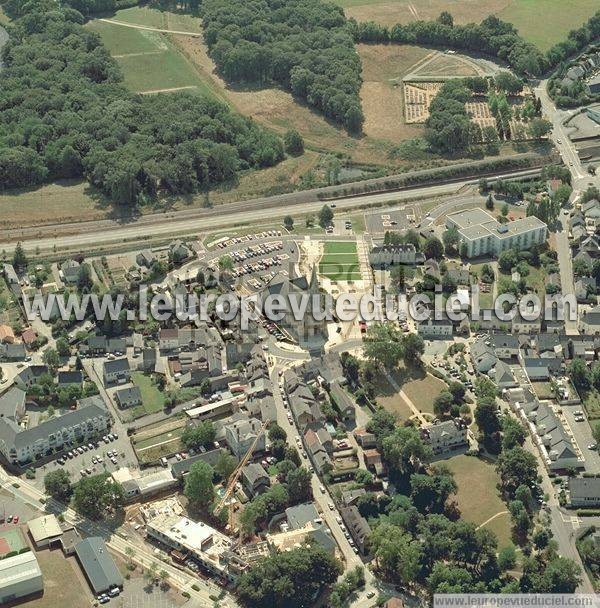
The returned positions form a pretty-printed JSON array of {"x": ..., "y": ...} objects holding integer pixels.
[
  {"x": 20, "y": 443},
  {"x": 482, "y": 234}
]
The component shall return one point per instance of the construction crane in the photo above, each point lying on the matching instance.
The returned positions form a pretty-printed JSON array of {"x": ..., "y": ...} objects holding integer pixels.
[{"x": 233, "y": 478}]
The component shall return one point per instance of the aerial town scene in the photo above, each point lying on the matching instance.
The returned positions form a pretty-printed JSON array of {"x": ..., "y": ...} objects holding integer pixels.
[{"x": 299, "y": 303}]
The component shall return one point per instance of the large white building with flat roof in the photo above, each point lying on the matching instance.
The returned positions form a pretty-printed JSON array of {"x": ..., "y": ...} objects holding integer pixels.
[
  {"x": 206, "y": 545},
  {"x": 482, "y": 234}
]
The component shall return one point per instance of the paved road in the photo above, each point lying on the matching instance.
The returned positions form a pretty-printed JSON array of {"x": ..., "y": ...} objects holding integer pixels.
[
  {"x": 90, "y": 234},
  {"x": 30, "y": 495}
]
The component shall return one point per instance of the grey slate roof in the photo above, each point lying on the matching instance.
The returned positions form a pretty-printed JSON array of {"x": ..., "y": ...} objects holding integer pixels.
[
  {"x": 90, "y": 407},
  {"x": 116, "y": 366},
  {"x": 100, "y": 569},
  {"x": 300, "y": 515},
  {"x": 584, "y": 487}
]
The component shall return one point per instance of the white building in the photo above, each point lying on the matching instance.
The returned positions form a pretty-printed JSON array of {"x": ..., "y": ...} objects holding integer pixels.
[
  {"x": 483, "y": 235},
  {"x": 207, "y": 545},
  {"x": 20, "y": 576},
  {"x": 20, "y": 443}
]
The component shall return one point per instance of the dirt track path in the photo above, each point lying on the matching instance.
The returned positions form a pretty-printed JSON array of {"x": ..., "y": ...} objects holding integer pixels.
[{"x": 150, "y": 29}]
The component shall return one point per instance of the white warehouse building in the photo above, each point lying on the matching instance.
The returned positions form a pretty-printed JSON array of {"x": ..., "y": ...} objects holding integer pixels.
[
  {"x": 482, "y": 234},
  {"x": 20, "y": 577}
]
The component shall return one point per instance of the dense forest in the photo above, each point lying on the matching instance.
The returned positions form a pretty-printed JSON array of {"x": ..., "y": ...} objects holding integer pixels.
[
  {"x": 65, "y": 113},
  {"x": 304, "y": 45},
  {"x": 492, "y": 36}
]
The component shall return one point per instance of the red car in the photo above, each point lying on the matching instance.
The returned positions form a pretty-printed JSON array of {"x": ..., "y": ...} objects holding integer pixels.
[{"x": 16, "y": 519}]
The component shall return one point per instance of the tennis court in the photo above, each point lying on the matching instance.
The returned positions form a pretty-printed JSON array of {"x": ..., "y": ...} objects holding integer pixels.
[{"x": 11, "y": 539}]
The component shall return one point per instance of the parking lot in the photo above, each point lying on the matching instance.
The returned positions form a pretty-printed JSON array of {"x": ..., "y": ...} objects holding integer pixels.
[
  {"x": 257, "y": 263},
  {"x": 85, "y": 461},
  {"x": 582, "y": 434},
  {"x": 382, "y": 221}
]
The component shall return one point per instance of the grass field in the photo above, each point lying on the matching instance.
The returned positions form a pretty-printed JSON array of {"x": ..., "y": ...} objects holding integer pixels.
[
  {"x": 478, "y": 497},
  {"x": 591, "y": 403},
  {"x": 421, "y": 388},
  {"x": 152, "y": 399},
  {"x": 340, "y": 261},
  {"x": 390, "y": 400},
  {"x": 164, "y": 20},
  {"x": 149, "y": 60},
  {"x": 152, "y": 448},
  {"x": 559, "y": 16}
]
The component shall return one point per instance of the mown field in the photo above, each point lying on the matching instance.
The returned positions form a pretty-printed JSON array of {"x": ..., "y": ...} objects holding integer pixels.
[
  {"x": 340, "y": 262},
  {"x": 546, "y": 22},
  {"x": 543, "y": 22},
  {"x": 478, "y": 498}
]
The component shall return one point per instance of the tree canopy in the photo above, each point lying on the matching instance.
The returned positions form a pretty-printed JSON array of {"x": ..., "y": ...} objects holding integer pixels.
[
  {"x": 65, "y": 113},
  {"x": 288, "y": 580}
]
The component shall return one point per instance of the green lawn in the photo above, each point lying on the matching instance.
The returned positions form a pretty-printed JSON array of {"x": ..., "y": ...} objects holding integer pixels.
[
  {"x": 546, "y": 22},
  {"x": 340, "y": 261},
  {"x": 149, "y": 61},
  {"x": 151, "y": 17},
  {"x": 478, "y": 497},
  {"x": 339, "y": 247},
  {"x": 152, "y": 399}
]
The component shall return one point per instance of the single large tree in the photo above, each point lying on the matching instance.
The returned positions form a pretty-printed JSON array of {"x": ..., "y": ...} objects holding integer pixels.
[
  {"x": 58, "y": 485},
  {"x": 199, "y": 489}
]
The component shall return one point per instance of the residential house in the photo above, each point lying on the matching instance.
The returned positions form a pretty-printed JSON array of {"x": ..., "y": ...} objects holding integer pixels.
[
  {"x": 13, "y": 352},
  {"x": 433, "y": 329},
  {"x": 129, "y": 396},
  {"x": 179, "y": 251},
  {"x": 584, "y": 491},
  {"x": 255, "y": 479},
  {"x": 357, "y": 526},
  {"x": 483, "y": 355},
  {"x": 522, "y": 325},
  {"x": 69, "y": 271},
  {"x": 21, "y": 445},
  {"x": 505, "y": 346},
  {"x": 116, "y": 371},
  {"x": 364, "y": 438},
  {"x": 146, "y": 258},
  {"x": 70, "y": 378},
  {"x": 446, "y": 438},
  {"x": 240, "y": 436},
  {"x": 30, "y": 375},
  {"x": 373, "y": 460},
  {"x": 589, "y": 322},
  {"x": 29, "y": 337},
  {"x": 10, "y": 275},
  {"x": 7, "y": 335}
]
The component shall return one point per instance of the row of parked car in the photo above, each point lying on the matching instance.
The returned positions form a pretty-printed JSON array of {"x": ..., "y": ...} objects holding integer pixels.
[
  {"x": 86, "y": 447},
  {"x": 249, "y": 237}
]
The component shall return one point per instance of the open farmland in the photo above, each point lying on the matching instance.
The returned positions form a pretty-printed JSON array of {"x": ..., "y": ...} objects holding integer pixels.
[
  {"x": 559, "y": 16},
  {"x": 390, "y": 12}
]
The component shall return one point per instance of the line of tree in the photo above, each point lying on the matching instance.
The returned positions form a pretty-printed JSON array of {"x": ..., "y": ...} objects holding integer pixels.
[
  {"x": 64, "y": 113},
  {"x": 492, "y": 36},
  {"x": 303, "y": 45}
]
